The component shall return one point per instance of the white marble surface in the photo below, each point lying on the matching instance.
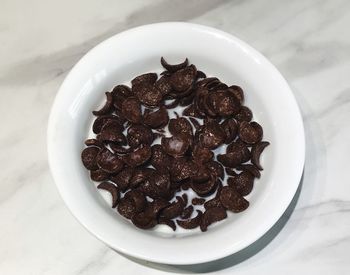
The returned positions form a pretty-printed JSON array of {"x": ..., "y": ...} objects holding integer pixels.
[{"x": 308, "y": 41}]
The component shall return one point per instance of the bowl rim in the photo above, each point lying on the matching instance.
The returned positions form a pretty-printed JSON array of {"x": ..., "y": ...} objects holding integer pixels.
[{"x": 269, "y": 221}]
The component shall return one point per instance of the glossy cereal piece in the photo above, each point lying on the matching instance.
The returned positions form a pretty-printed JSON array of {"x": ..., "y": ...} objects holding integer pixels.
[
  {"x": 195, "y": 123},
  {"x": 211, "y": 135},
  {"x": 230, "y": 160},
  {"x": 182, "y": 169},
  {"x": 191, "y": 111},
  {"x": 203, "y": 104},
  {"x": 109, "y": 162},
  {"x": 237, "y": 92},
  {"x": 231, "y": 171},
  {"x": 198, "y": 201},
  {"x": 201, "y": 174},
  {"x": 206, "y": 81},
  {"x": 101, "y": 121},
  {"x": 224, "y": 103},
  {"x": 191, "y": 223},
  {"x": 244, "y": 114},
  {"x": 148, "y": 78},
  {"x": 166, "y": 73},
  {"x": 202, "y": 154},
  {"x": 251, "y": 168},
  {"x": 120, "y": 117},
  {"x": 156, "y": 206},
  {"x": 139, "y": 175},
  {"x": 186, "y": 184},
  {"x": 179, "y": 125},
  {"x": 183, "y": 94},
  {"x": 242, "y": 183},
  {"x": 160, "y": 159},
  {"x": 174, "y": 210},
  {"x": 175, "y": 146},
  {"x": 138, "y": 157},
  {"x": 187, "y": 212},
  {"x": 149, "y": 95},
  {"x": 216, "y": 169},
  {"x": 187, "y": 100},
  {"x": 201, "y": 74},
  {"x": 230, "y": 128},
  {"x": 139, "y": 134},
  {"x": 88, "y": 157},
  {"x": 163, "y": 85},
  {"x": 257, "y": 149},
  {"x": 215, "y": 202},
  {"x": 143, "y": 220},
  {"x": 161, "y": 183},
  {"x": 212, "y": 215},
  {"x": 250, "y": 132},
  {"x": 122, "y": 90},
  {"x": 237, "y": 153},
  {"x": 111, "y": 132},
  {"x": 112, "y": 189},
  {"x": 167, "y": 222},
  {"x": 240, "y": 149},
  {"x": 183, "y": 79},
  {"x": 119, "y": 149},
  {"x": 232, "y": 200},
  {"x": 156, "y": 186},
  {"x": 173, "y": 68},
  {"x": 157, "y": 119},
  {"x": 107, "y": 107},
  {"x": 126, "y": 208},
  {"x": 98, "y": 175},
  {"x": 204, "y": 188},
  {"x": 131, "y": 110},
  {"x": 93, "y": 142},
  {"x": 120, "y": 93},
  {"x": 123, "y": 178},
  {"x": 138, "y": 199}
]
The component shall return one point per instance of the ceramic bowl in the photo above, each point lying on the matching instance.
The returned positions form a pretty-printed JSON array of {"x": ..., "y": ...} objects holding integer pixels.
[{"x": 130, "y": 53}]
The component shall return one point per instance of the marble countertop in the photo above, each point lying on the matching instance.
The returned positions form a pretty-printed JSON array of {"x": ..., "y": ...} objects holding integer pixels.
[{"x": 308, "y": 41}]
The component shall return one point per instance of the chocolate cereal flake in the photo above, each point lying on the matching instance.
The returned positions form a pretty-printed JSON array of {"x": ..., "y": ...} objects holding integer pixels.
[
  {"x": 198, "y": 201},
  {"x": 109, "y": 162},
  {"x": 139, "y": 134},
  {"x": 251, "y": 168},
  {"x": 107, "y": 107},
  {"x": 98, "y": 175},
  {"x": 88, "y": 156},
  {"x": 138, "y": 157},
  {"x": 212, "y": 215},
  {"x": 187, "y": 212},
  {"x": 256, "y": 152},
  {"x": 232, "y": 200},
  {"x": 131, "y": 110},
  {"x": 242, "y": 183},
  {"x": 112, "y": 189},
  {"x": 250, "y": 132},
  {"x": 175, "y": 67},
  {"x": 157, "y": 119},
  {"x": 191, "y": 223},
  {"x": 175, "y": 146}
]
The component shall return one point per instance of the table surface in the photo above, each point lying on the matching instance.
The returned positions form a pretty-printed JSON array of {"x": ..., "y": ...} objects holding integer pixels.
[{"x": 308, "y": 41}]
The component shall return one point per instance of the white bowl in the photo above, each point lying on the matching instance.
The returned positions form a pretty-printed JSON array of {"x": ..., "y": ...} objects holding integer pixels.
[{"x": 118, "y": 60}]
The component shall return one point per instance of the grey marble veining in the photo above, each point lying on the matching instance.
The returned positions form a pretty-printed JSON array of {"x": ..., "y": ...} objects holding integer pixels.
[{"x": 308, "y": 41}]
